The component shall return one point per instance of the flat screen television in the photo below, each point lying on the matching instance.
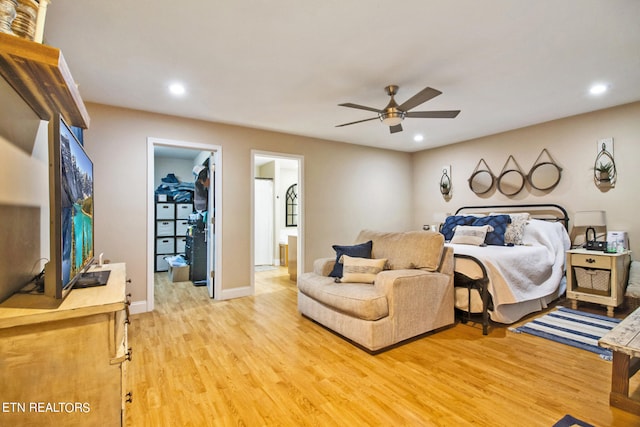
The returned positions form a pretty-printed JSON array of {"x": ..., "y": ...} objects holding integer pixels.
[{"x": 71, "y": 210}]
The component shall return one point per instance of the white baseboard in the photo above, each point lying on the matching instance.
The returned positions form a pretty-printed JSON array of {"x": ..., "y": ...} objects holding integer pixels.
[
  {"x": 236, "y": 293},
  {"x": 138, "y": 307}
]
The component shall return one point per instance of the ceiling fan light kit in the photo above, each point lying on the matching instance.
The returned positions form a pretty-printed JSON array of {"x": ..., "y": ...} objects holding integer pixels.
[{"x": 393, "y": 114}]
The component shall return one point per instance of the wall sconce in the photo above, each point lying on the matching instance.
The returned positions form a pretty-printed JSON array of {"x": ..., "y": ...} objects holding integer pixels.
[
  {"x": 604, "y": 168},
  {"x": 445, "y": 181}
]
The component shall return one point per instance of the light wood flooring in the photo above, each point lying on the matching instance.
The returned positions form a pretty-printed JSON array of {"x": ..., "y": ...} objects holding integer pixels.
[{"x": 257, "y": 362}]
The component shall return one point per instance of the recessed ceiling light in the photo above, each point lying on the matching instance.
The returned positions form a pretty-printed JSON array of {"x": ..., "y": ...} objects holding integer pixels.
[
  {"x": 177, "y": 89},
  {"x": 418, "y": 138},
  {"x": 598, "y": 89}
]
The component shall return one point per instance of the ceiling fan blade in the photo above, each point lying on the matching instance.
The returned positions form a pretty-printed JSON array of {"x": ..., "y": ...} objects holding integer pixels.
[
  {"x": 450, "y": 114},
  {"x": 396, "y": 128},
  {"x": 423, "y": 96},
  {"x": 359, "y": 121},
  {"x": 360, "y": 107}
]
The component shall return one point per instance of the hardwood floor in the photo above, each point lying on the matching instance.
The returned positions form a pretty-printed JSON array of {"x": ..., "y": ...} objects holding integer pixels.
[{"x": 257, "y": 362}]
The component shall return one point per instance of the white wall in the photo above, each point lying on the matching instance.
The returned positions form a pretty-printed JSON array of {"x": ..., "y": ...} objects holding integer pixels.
[{"x": 572, "y": 142}]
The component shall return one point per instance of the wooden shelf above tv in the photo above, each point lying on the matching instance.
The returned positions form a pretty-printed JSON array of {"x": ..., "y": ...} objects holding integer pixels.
[{"x": 40, "y": 75}]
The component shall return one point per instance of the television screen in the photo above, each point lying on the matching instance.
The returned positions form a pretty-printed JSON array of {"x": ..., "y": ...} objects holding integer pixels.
[{"x": 71, "y": 196}]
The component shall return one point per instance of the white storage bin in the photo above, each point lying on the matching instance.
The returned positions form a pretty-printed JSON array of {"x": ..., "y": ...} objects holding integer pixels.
[
  {"x": 165, "y": 245},
  {"x": 181, "y": 243},
  {"x": 165, "y": 211},
  {"x": 183, "y": 210},
  {"x": 181, "y": 227},
  {"x": 161, "y": 263},
  {"x": 165, "y": 228}
]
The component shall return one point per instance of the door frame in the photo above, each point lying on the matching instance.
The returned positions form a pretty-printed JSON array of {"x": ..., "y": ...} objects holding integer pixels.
[
  {"x": 301, "y": 199},
  {"x": 216, "y": 151}
]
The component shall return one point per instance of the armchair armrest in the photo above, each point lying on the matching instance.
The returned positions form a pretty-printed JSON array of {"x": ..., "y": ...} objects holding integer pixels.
[{"x": 323, "y": 266}]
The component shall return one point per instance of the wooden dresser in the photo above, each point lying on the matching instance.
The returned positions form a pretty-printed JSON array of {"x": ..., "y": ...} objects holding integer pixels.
[{"x": 64, "y": 362}]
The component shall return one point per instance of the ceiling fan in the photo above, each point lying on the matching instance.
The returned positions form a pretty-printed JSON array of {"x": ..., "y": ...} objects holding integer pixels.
[{"x": 393, "y": 114}]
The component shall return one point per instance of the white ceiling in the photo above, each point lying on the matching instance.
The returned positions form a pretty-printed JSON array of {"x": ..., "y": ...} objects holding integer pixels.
[{"x": 285, "y": 65}]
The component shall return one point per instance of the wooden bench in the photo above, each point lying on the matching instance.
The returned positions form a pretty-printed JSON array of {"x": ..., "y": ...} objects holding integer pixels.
[{"x": 624, "y": 341}]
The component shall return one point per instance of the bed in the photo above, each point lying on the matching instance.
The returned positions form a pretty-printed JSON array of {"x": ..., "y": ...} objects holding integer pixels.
[{"x": 506, "y": 280}]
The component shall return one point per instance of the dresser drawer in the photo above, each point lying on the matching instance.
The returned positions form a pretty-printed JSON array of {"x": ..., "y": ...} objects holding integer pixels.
[
  {"x": 165, "y": 211},
  {"x": 591, "y": 261}
]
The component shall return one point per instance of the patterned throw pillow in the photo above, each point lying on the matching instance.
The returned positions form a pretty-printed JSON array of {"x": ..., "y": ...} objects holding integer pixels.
[
  {"x": 453, "y": 221},
  {"x": 360, "y": 270},
  {"x": 470, "y": 235},
  {"x": 362, "y": 250},
  {"x": 515, "y": 230},
  {"x": 499, "y": 224}
]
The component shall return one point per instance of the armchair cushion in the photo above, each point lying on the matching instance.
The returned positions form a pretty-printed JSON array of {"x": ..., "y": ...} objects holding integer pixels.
[{"x": 410, "y": 249}]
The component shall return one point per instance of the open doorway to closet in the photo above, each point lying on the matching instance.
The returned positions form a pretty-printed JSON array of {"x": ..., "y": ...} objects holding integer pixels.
[
  {"x": 184, "y": 223},
  {"x": 277, "y": 217}
]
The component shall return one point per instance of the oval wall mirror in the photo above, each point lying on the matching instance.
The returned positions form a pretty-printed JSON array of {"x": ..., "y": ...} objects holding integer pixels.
[
  {"x": 544, "y": 175},
  {"x": 481, "y": 181}
]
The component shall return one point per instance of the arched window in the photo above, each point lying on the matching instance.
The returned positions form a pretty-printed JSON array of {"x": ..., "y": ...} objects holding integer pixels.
[{"x": 291, "y": 219}]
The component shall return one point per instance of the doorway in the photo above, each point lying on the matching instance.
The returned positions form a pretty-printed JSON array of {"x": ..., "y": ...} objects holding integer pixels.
[
  {"x": 178, "y": 162},
  {"x": 277, "y": 210}
]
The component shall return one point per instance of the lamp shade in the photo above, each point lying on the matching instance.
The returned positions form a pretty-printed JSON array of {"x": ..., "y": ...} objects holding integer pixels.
[{"x": 590, "y": 219}]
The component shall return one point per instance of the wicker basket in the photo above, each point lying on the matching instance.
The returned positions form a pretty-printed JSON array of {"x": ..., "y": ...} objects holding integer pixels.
[{"x": 593, "y": 279}]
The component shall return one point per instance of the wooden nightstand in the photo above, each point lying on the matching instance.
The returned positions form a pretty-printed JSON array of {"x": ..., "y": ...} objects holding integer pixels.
[{"x": 597, "y": 277}]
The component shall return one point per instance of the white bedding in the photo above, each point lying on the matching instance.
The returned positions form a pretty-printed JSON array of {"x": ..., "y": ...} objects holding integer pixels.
[{"x": 524, "y": 278}]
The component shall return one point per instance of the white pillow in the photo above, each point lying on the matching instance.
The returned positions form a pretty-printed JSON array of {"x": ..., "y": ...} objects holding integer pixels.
[
  {"x": 361, "y": 270},
  {"x": 470, "y": 234}
]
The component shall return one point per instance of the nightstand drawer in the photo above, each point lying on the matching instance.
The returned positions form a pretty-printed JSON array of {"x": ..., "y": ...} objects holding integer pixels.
[{"x": 591, "y": 261}]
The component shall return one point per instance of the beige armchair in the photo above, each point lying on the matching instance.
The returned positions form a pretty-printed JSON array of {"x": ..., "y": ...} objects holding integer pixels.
[{"x": 412, "y": 296}]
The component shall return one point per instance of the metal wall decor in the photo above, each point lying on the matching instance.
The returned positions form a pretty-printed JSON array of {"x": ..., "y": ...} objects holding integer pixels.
[
  {"x": 604, "y": 169},
  {"x": 481, "y": 180},
  {"x": 544, "y": 175},
  {"x": 511, "y": 181}
]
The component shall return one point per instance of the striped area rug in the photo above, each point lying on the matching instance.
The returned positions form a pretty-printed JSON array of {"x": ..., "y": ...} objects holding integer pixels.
[{"x": 572, "y": 327}]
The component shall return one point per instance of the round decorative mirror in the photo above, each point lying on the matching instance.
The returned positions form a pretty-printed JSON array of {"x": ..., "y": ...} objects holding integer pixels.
[
  {"x": 544, "y": 176},
  {"x": 481, "y": 181},
  {"x": 510, "y": 182}
]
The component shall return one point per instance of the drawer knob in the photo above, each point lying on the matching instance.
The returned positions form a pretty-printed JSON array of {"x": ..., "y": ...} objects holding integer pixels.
[
  {"x": 590, "y": 260},
  {"x": 129, "y": 353},
  {"x": 129, "y": 398}
]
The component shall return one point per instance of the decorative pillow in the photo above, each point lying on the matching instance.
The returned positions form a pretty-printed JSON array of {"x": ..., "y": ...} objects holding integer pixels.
[
  {"x": 360, "y": 270},
  {"x": 452, "y": 221},
  {"x": 470, "y": 234},
  {"x": 499, "y": 224},
  {"x": 361, "y": 250},
  {"x": 515, "y": 230}
]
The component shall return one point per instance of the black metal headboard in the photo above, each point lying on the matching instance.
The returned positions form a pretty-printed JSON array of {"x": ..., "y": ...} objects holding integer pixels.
[{"x": 547, "y": 212}]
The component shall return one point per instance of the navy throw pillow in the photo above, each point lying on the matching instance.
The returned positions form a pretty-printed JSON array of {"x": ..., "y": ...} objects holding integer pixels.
[
  {"x": 361, "y": 250},
  {"x": 499, "y": 224},
  {"x": 452, "y": 221}
]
